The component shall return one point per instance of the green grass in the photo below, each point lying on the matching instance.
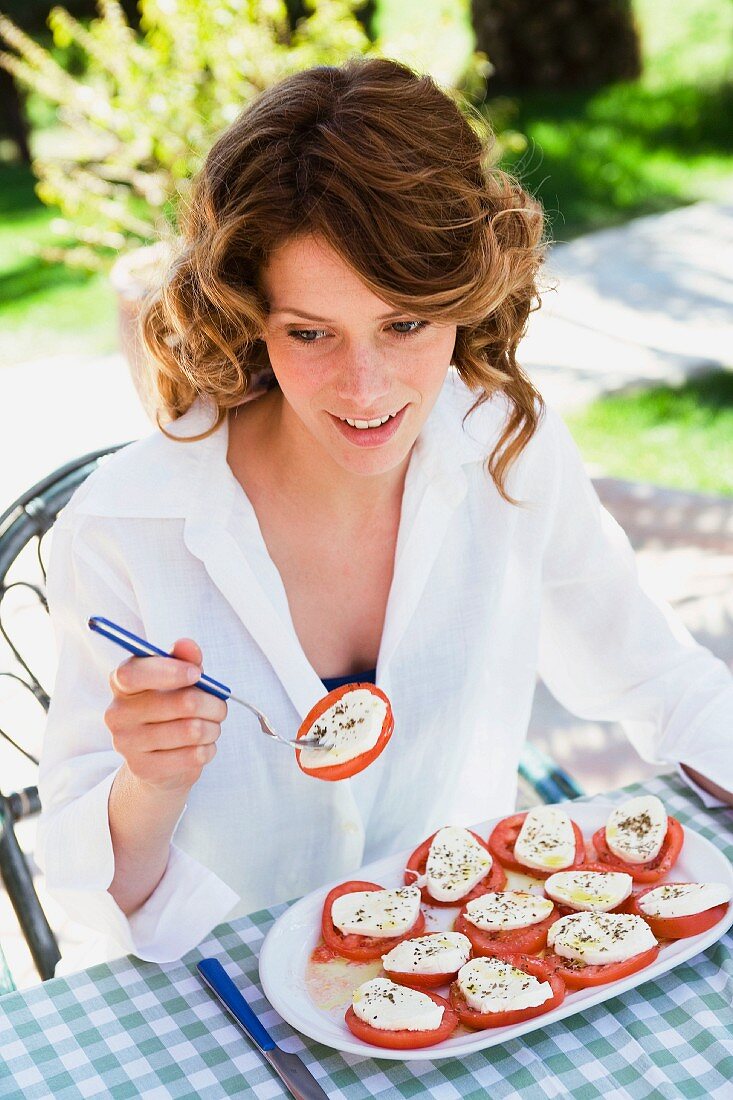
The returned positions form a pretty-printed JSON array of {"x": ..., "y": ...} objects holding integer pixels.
[
  {"x": 46, "y": 309},
  {"x": 681, "y": 437}
]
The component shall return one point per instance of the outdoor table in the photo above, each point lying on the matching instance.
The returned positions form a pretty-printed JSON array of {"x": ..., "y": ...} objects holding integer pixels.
[{"x": 130, "y": 1028}]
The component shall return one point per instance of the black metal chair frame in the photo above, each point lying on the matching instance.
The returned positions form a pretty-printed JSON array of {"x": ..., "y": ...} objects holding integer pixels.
[{"x": 30, "y": 517}]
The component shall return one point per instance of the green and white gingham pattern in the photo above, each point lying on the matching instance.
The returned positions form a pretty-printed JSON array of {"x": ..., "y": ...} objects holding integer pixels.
[{"x": 129, "y": 1029}]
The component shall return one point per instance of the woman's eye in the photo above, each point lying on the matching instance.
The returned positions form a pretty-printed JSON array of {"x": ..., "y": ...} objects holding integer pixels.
[
  {"x": 312, "y": 335},
  {"x": 420, "y": 325},
  {"x": 302, "y": 335}
]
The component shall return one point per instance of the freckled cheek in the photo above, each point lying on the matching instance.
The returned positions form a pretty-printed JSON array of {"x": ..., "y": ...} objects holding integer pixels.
[{"x": 300, "y": 376}]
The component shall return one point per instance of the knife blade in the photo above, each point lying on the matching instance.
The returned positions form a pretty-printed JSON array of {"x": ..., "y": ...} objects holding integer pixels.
[{"x": 291, "y": 1069}]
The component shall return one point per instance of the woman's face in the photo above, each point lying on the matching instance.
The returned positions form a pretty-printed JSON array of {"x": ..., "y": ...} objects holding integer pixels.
[{"x": 339, "y": 353}]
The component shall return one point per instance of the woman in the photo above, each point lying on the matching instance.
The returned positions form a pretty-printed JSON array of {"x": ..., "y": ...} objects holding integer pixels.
[{"x": 330, "y": 500}]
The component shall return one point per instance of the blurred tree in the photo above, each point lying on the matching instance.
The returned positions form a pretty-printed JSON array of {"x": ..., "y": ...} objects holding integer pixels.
[
  {"x": 557, "y": 44},
  {"x": 32, "y": 17},
  {"x": 138, "y": 120}
]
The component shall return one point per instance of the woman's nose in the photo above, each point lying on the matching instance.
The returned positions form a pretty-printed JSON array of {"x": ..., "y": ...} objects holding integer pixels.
[{"x": 363, "y": 382}]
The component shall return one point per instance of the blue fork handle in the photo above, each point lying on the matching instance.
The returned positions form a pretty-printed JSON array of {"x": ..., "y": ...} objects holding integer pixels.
[
  {"x": 140, "y": 648},
  {"x": 216, "y": 977}
]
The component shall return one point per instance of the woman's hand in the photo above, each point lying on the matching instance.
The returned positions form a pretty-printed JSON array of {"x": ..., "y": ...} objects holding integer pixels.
[{"x": 164, "y": 728}]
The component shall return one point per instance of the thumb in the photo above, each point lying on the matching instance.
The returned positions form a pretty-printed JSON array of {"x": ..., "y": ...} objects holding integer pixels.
[{"x": 187, "y": 650}]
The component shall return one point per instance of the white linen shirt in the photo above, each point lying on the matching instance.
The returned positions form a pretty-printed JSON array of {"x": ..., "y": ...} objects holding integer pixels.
[{"x": 163, "y": 540}]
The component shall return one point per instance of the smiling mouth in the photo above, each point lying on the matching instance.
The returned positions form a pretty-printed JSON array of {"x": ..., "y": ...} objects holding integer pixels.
[{"x": 361, "y": 424}]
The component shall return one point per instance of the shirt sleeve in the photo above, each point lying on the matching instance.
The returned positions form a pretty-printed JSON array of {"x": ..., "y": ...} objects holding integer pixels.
[
  {"x": 609, "y": 651},
  {"x": 79, "y": 764}
]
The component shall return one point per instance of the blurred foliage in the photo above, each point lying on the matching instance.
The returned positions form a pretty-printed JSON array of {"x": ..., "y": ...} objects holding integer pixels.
[
  {"x": 137, "y": 123},
  {"x": 679, "y": 436},
  {"x": 141, "y": 117}
]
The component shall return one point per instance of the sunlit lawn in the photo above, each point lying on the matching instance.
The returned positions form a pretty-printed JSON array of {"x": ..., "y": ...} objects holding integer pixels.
[
  {"x": 676, "y": 436},
  {"x": 45, "y": 309}
]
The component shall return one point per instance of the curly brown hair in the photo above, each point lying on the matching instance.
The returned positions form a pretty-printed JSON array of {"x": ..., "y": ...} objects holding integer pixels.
[{"x": 396, "y": 175}]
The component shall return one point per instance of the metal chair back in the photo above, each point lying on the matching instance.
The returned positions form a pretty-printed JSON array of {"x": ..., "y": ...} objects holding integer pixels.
[{"x": 23, "y": 527}]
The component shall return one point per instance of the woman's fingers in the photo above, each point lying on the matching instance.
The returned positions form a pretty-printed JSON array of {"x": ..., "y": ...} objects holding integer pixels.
[
  {"x": 173, "y": 767},
  {"x": 138, "y": 674},
  {"x": 163, "y": 706},
  {"x": 186, "y": 649},
  {"x": 181, "y": 733},
  {"x": 164, "y": 728}
]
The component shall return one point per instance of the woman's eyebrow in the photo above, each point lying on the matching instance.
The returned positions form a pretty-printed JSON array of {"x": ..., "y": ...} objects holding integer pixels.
[{"x": 325, "y": 320}]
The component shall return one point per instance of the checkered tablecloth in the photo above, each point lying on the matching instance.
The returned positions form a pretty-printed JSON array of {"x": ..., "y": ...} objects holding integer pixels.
[{"x": 130, "y": 1029}]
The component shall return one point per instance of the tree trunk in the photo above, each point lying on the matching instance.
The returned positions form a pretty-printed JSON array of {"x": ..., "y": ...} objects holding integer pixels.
[
  {"x": 365, "y": 15},
  {"x": 557, "y": 44},
  {"x": 13, "y": 122}
]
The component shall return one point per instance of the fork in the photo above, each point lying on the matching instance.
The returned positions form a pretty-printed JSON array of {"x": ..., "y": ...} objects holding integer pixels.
[{"x": 140, "y": 648}]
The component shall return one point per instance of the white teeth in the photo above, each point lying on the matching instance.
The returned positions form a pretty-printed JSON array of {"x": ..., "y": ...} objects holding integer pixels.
[{"x": 368, "y": 423}]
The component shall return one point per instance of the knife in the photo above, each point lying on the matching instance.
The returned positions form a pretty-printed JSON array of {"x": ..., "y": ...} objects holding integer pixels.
[{"x": 290, "y": 1068}]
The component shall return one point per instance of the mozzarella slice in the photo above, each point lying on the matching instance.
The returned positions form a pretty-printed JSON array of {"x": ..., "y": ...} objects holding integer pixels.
[
  {"x": 377, "y": 912},
  {"x": 684, "y": 899},
  {"x": 391, "y": 1007},
  {"x": 440, "y": 953},
  {"x": 506, "y": 909},
  {"x": 493, "y": 985},
  {"x": 546, "y": 840},
  {"x": 456, "y": 862},
  {"x": 597, "y": 891},
  {"x": 599, "y": 938},
  {"x": 348, "y": 728},
  {"x": 636, "y": 829}
]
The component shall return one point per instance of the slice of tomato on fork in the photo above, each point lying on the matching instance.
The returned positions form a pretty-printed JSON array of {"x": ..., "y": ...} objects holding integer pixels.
[{"x": 346, "y": 768}]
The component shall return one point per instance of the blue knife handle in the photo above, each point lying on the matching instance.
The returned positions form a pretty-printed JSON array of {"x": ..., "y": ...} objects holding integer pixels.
[
  {"x": 140, "y": 648},
  {"x": 217, "y": 978}
]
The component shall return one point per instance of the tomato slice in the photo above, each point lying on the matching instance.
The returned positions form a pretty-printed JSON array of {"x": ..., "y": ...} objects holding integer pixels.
[
  {"x": 565, "y": 910},
  {"x": 503, "y": 838},
  {"x": 539, "y": 969},
  {"x": 364, "y": 759},
  {"x": 510, "y": 941},
  {"x": 577, "y": 975},
  {"x": 349, "y": 944},
  {"x": 415, "y": 980},
  {"x": 676, "y": 928},
  {"x": 656, "y": 868},
  {"x": 494, "y": 880},
  {"x": 421, "y": 982},
  {"x": 403, "y": 1039}
]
